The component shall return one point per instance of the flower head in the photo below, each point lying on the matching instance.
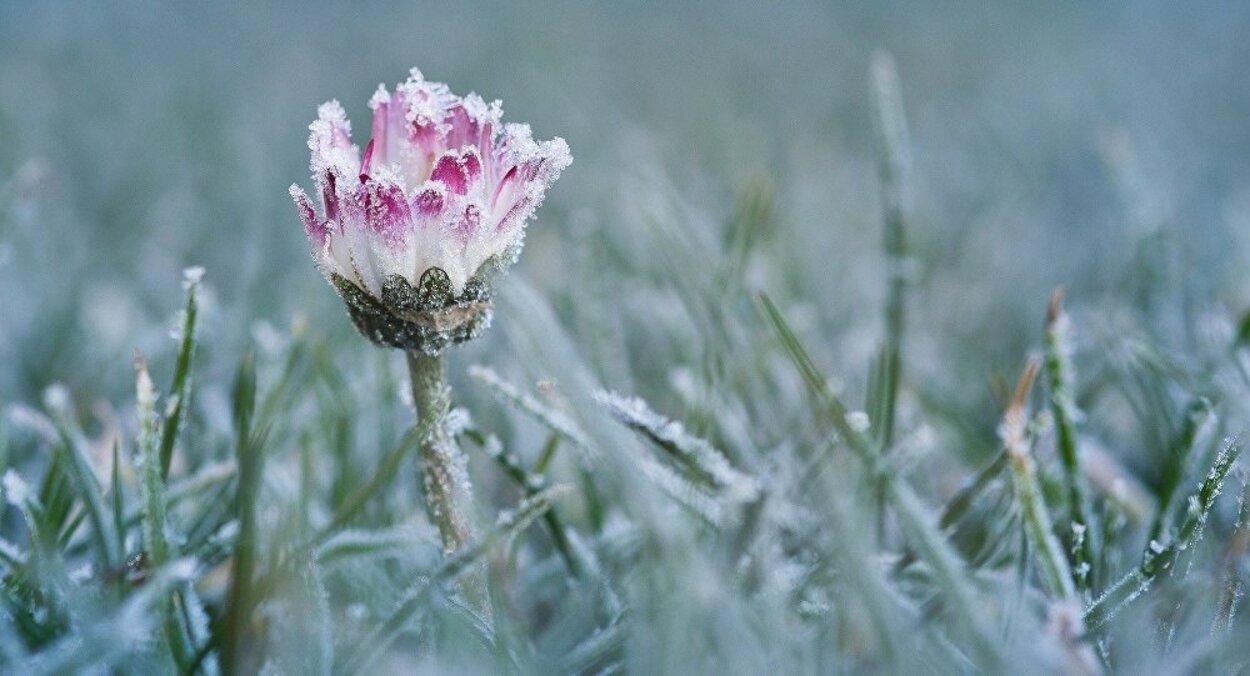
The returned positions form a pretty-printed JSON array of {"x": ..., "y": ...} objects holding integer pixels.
[{"x": 439, "y": 197}]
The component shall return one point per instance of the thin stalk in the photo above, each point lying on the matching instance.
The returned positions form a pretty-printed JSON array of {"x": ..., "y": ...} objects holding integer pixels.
[
  {"x": 444, "y": 467},
  {"x": 180, "y": 392},
  {"x": 1029, "y": 494},
  {"x": 895, "y": 159},
  {"x": 1063, "y": 408},
  {"x": 548, "y": 453}
]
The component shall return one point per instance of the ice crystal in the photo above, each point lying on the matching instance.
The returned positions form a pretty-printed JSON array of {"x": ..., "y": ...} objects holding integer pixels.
[
  {"x": 859, "y": 421},
  {"x": 695, "y": 453},
  {"x": 16, "y": 490},
  {"x": 441, "y": 185}
]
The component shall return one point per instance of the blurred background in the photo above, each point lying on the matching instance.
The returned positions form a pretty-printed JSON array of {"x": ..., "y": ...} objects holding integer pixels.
[
  {"x": 721, "y": 149},
  {"x": 140, "y": 138}
]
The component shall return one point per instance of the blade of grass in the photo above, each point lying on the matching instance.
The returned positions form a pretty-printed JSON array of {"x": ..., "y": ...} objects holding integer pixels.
[
  {"x": 118, "y": 500},
  {"x": 531, "y": 485},
  {"x": 701, "y": 461},
  {"x": 72, "y": 448},
  {"x": 155, "y": 521},
  {"x": 180, "y": 391},
  {"x": 895, "y": 153},
  {"x": 1158, "y": 558},
  {"x": 107, "y": 641},
  {"x": 382, "y": 477},
  {"x": 1238, "y": 546},
  {"x": 913, "y": 515},
  {"x": 57, "y": 497},
  {"x": 552, "y": 419},
  {"x": 1183, "y": 447},
  {"x": 1032, "y": 506},
  {"x": 250, "y": 461},
  {"x": 467, "y": 558},
  {"x": 1066, "y": 415}
]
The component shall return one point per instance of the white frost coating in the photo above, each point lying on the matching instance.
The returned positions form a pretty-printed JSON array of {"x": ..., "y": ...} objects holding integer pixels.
[
  {"x": 16, "y": 490},
  {"x": 858, "y": 420},
  {"x": 56, "y": 398},
  {"x": 683, "y": 491},
  {"x": 673, "y": 437},
  {"x": 553, "y": 419},
  {"x": 26, "y": 417},
  {"x": 457, "y": 421},
  {"x": 10, "y": 552},
  {"x": 227, "y": 534},
  {"x": 192, "y": 276},
  {"x": 82, "y": 573},
  {"x": 145, "y": 391},
  {"x": 1156, "y": 547},
  {"x": 442, "y": 184}
]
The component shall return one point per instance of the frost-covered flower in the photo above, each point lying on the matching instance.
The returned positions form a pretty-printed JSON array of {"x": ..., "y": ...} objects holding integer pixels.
[{"x": 411, "y": 228}]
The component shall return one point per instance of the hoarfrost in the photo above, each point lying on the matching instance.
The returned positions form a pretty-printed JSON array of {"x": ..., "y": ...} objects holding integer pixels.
[
  {"x": 192, "y": 276},
  {"x": 16, "y": 490},
  {"x": 673, "y": 438},
  {"x": 859, "y": 421}
]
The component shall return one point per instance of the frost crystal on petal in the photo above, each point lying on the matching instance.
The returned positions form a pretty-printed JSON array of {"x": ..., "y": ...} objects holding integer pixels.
[{"x": 442, "y": 183}]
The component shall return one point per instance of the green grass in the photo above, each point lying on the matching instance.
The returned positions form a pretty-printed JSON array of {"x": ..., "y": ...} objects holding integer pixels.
[{"x": 737, "y": 456}]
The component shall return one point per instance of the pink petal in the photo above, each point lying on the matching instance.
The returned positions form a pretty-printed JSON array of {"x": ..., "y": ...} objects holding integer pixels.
[
  {"x": 467, "y": 224},
  {"x": 316, "y": 230},
  {"x": 329, "y": 195},
  {"x": 378, "y": 133},
  {"x": 507, "y": 183},
  {"x": 471, "y": 164},
  {"x": 428, "y": 202},
  {"x": 364, "y": 163},
  {"x": 515, "y": 215},
  {"x": 449, "y": 171},
  {"x": 464, "y": 129},
  {"x": 386, "y": 211}
]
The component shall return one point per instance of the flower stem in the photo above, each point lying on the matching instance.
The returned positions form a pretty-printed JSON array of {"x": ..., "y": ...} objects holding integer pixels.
[{"x": 444, "y": 468}]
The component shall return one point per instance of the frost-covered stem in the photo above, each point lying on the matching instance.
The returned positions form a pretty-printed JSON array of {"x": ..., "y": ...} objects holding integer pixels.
[
  {"x": 1028, "y": 493},
  {"x": 1158, "y": 558},
  {"x": 444, "y": 468},
  {"x": 1063, "y": 408},
  {"x": 895, "y": 157}
]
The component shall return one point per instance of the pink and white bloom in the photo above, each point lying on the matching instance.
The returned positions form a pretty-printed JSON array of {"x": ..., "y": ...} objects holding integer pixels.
[{"x": 441, "y": 184}]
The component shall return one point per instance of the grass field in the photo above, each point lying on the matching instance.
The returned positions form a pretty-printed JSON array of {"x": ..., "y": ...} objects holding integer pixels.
[{"x": 886, "y": 337}]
